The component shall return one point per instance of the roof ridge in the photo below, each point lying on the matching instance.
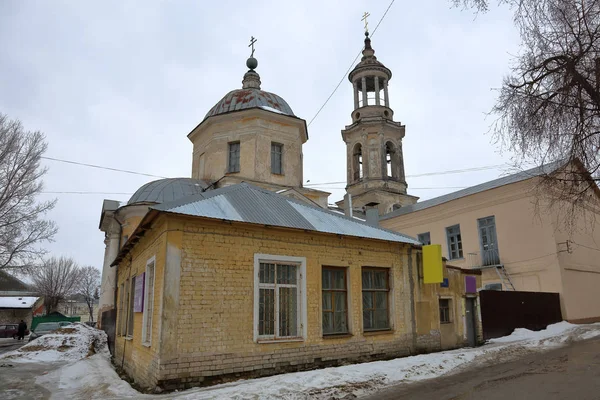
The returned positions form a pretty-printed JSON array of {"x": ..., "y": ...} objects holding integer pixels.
[{"x": 478, "y": 188}]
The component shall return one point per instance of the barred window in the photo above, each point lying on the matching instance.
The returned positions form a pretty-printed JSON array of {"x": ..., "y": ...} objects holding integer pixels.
[
  {"x": 279, "y": 306},
  {"x": 234, "y": 157},
  {"x": 375, "y": 296},
  {"x": 276, "y": 158},
  {"x": 335, "y": 301},
  {"x": 445, "y": 311},
  {"x": 148, "y": 303}
]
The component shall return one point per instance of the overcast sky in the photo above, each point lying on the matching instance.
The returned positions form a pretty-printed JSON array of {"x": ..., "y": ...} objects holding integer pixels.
[{"x": 121, "y": 84}]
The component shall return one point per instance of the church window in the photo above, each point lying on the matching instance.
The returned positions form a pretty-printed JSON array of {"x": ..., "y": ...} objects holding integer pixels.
[
  {"x": 357, "y": 162},
  {"x": 234, "y": 157},
  {"x": 279, "y": 297},
  {"x": 276, "y": 158},
  {"x": 391, "y": 160}
]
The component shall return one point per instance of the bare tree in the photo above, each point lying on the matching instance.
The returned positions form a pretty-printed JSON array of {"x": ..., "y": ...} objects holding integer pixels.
[
  {"x": 88, "y": 285},
  {"x": 548, "y": 108},
  {"x": 56, "y": 279},
  {"x": 22, "y": 224}
]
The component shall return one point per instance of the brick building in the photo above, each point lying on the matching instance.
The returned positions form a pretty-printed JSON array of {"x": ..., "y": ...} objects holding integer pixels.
[{"x": 243, "y": 282}]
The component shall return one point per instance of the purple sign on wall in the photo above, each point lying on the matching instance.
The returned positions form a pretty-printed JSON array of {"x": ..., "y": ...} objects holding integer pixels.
[
  {"x": 138, "y": 298},
  {"x": 470, "y": 284}
]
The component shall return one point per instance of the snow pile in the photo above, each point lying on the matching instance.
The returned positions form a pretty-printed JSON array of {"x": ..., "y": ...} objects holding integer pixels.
[
  {"x": 69, "y": 343},
  {"x": 520, "y": 334},
  {"x": 90, "y": 378},
  {"x": 94, "y": 378}
]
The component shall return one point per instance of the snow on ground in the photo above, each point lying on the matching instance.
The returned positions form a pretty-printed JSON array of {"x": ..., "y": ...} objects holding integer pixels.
[
  {"x": 70, "y": 343},
  {"x": 94, "y": 378}
]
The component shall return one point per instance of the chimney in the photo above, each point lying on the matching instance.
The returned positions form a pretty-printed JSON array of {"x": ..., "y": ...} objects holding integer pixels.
[
  {"x": 348, "y": 205},
  {"x": 372, "y": 213}
]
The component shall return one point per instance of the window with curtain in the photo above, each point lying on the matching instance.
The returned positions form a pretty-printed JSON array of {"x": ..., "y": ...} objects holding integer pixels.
[
  {"x": 278, "y": 300},
  {"x": 375, "y": 296},
  {"x": 335, "y": 300}
]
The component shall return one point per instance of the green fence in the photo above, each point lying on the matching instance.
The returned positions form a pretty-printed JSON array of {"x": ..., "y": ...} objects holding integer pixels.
[{"x": 52, "y": 318}]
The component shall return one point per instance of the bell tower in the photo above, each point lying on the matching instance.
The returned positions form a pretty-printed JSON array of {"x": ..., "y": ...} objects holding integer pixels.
[{"x": 375, "y": 165}]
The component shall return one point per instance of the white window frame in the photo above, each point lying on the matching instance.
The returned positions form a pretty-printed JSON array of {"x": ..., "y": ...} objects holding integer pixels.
[
  {"x": 301, "y": 285},
  {"x": 147, "y": 336}
]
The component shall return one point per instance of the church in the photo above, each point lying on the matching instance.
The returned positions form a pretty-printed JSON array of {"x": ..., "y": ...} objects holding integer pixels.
[{"x": 240, "y": 271}]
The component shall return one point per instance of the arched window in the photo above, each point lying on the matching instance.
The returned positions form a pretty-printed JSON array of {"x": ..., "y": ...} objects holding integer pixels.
[
  {"x": 357, "y": 162},
  {"x": 391, "y": 160}
]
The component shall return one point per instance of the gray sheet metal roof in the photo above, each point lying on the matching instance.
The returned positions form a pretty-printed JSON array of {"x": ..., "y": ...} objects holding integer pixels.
[
  {"x": 165, "y": 190},
  {"x": 506, "y": 180},
  {"x": 247, "y": 203}
]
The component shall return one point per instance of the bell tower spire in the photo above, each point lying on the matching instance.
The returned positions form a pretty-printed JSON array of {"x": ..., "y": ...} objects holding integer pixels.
[{"x": 375, "y": 164}]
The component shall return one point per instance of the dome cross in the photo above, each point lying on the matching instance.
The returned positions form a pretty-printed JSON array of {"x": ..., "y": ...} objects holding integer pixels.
[
  {"x": 252, "y": 41},
  {"x": 364, "y": 18}
]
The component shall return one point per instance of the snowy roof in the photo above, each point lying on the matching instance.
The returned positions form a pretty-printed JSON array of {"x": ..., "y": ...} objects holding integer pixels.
[{"x": 17, "y": 302}]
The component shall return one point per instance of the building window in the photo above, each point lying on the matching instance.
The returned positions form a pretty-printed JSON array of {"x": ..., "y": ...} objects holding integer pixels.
[
  {"x": 148, "y": 303},
  {"x": 279, "y": 299},
  {"x": 234, "y": 157},
  {"x": 122, "y": 308},
  {"x": 445, "y": 311},
  {"x": 454, "y": 242},
  {"x": 357, "y": 162},
  {"x": 277, "y": 158},
  {"x": 130, "y": 308},
  {"x": 335, "y": 301},
  {"x": 424, "y": 238},
  {"x": 375, "y": 296}
]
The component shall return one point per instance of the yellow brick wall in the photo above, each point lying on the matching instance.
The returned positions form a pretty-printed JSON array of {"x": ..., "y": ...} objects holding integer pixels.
[
  {"x": 431, "y": 334},
  {"x": 139, "y": 361},
  {"x": 216, "y": 301}
]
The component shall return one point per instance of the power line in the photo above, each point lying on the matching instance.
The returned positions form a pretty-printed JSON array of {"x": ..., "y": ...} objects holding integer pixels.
[
  {"x": 101, "y": 167},
  {"x": 351, "y": 66},
  {"x": 447, "y": 172},
  {"x": 80, "y": 192}
]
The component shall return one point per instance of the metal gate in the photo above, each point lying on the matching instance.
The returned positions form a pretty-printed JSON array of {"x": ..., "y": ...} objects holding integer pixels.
[{"x": 504, "y": 311}]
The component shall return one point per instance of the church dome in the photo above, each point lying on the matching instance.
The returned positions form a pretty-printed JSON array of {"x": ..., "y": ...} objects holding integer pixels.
[
  {"x": 250, "y": 96},
  {"x": 243, "y": 99},
  {"x": 165, "y": 190}
]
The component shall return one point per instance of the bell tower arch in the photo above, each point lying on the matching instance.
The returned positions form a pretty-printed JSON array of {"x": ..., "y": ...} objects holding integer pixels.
[{"x": 375, "y": 163}]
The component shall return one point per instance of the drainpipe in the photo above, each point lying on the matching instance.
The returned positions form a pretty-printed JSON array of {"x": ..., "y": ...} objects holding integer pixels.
[{"x": 411, "y": 280}]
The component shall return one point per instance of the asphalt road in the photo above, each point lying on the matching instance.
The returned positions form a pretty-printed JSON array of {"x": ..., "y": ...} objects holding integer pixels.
[
  {"x": 10, "y": 344},
  {"x": 571, "y": 372}
]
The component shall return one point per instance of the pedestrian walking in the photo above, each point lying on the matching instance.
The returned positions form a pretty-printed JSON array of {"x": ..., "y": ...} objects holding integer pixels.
[{"x": 21, "y": 330}]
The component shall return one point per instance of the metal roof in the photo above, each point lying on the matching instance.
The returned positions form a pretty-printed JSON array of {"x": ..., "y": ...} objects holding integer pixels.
[
  {"x": 242, "y": 99},
  {"x": 506, "y": 180},
  {"x": 165, "y": 190},
  {"x": 247, "y": 203}
]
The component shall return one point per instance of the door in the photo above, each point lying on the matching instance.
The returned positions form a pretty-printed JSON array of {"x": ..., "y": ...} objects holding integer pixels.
[
  {"x": 488, "y": 241},
  {"x": 470, "y": 317}
]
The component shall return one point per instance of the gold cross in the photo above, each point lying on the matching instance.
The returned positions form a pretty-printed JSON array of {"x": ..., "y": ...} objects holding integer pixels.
[
  {"x": 252, "y": 41},
  {"x": 364, "y": 18}
]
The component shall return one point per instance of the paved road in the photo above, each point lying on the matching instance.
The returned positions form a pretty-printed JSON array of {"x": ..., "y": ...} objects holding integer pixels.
[
  {"x": 10, "y": 344},
  {"x": 571, "y": 372}
]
